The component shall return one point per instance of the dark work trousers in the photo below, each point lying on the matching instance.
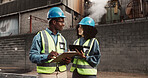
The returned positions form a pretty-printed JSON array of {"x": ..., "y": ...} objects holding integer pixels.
[{"x": 77, "y": 75}]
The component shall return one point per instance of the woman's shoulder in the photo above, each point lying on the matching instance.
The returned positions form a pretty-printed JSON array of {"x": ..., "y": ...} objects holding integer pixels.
[{"x": 95, "y": 40}]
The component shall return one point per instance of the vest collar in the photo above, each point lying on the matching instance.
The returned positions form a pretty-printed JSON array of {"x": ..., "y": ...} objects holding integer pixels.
[{"x": 51, "y": 33}]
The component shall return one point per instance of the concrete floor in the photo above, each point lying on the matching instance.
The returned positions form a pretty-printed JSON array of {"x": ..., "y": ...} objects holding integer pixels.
[
  {"x": 110, "y": 75},
  {"x": 117, "y": 75},
  {"x": 121, "y": 75}
]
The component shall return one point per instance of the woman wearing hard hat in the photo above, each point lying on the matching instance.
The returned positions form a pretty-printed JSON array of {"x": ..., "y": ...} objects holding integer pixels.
[{"x": 85, "y": 64}]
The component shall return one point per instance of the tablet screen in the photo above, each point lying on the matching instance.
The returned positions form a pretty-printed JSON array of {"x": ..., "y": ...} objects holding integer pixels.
[
  {"x": 78, "y": 47},
  {"x": 73, "y": 47}
]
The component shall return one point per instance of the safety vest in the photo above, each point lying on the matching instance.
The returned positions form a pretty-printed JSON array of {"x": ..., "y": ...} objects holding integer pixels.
[
  {"x": 81, "y": 65},
  {"x": 48, "y": 46}
]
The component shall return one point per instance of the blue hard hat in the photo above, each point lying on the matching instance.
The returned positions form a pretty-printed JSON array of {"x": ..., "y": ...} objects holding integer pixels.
[
  {"x": 55, "y": 12},
  {"x": 87, "y": 21}
]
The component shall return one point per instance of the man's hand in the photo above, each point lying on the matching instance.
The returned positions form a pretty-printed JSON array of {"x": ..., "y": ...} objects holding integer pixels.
[
  {"x": 52, "y": 55},
  {"x": 67, "y": 60}
]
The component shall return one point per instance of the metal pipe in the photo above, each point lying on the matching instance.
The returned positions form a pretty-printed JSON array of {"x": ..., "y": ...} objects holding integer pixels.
[
  {"x": 72, "y": 18},
  {"x": 30, "y": 23},
  {"x": 141, "y": 5},
  {"x": 19, "y": 27}
]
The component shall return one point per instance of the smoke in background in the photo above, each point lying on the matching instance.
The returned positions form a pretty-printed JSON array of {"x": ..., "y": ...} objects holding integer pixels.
[{"x": 97, "y": 10}]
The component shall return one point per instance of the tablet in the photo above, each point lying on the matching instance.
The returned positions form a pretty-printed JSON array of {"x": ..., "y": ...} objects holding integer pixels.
[
  {"x": 73, "y": 47},
  {"x": 79, "y": 48}
]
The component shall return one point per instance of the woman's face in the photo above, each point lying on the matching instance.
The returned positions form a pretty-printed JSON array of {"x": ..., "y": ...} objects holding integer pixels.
[{"x": 80, "y": 30}]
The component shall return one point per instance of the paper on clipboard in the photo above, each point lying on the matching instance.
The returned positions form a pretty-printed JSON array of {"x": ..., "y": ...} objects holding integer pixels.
[{"x": 64, "y": 55}]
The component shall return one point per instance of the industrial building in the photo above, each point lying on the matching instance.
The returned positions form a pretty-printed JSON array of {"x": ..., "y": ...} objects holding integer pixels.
[
  {"x": 28, "y": 16},
  {"x": 15, "y": 15}
]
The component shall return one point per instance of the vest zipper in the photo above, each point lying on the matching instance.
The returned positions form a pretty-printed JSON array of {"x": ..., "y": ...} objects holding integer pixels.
[
  {"x": 77, "y": 58},
  {"x": 76, "y": 63},
  {"x": 57, "y": 65}
]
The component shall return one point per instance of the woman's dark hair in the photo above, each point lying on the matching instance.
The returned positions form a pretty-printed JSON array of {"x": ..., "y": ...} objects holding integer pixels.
[{"x": 89, "y": 32}]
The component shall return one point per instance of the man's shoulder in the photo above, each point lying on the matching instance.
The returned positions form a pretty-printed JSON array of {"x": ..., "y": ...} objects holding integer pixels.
[{"x": 38, "y": 34}]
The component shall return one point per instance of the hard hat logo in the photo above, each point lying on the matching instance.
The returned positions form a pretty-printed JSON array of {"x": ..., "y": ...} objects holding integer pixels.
[
  {"x": 55, "y": 12},
  {"x": 87, "y": 21}
]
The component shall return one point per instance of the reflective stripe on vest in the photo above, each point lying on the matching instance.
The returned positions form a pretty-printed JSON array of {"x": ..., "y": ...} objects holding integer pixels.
[
  {"x": 81, "y": 65},
  {"x": 48, "y": 46}
]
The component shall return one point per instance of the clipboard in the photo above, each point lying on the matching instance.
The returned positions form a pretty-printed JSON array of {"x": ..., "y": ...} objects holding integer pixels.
[{"x": 64, "y": 55}]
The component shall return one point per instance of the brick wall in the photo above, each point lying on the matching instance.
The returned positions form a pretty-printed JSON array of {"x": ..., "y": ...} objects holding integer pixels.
[
  {"x": 14, "y": 53},
  {"x": 123, "y": 47},
  {"x": 12, "y": 75}
]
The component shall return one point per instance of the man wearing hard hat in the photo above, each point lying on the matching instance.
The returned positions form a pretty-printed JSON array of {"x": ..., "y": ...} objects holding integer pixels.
[{"x": 48, "y": 44}]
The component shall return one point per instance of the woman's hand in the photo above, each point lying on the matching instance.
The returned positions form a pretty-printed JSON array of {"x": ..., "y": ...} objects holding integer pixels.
[{"x": 81, "y": 53}]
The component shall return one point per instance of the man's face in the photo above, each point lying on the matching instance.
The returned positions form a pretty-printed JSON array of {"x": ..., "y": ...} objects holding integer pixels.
[{"x": 59, "y": 24}]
